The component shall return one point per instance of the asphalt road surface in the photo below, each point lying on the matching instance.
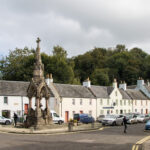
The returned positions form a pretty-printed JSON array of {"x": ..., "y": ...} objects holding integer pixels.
[{"x": 111, "y": 138}]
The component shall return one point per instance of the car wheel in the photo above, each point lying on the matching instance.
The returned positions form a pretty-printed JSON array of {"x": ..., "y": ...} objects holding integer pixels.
[
  {"x": 60, "y": 122},
  {"x": 7, "y": 122},
  {"x": 114, "y": 123}
]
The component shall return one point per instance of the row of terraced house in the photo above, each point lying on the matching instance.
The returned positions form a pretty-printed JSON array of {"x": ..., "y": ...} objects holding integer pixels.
[{"x": 68, "y": 99}]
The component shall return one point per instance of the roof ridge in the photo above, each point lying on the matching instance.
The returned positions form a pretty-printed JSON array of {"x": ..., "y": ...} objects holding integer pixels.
[{"x": 14, "y": 81}]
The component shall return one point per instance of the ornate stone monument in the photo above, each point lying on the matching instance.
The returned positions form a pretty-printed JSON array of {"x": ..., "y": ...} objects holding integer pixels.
[{"x": 38, "y": 89}]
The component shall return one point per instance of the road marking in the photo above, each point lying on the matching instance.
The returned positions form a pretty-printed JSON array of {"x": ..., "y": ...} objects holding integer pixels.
[
  {"x": 136, "y": 146},
  {"x": 101, "y": 129},
  {"x": 133, "y": 147},
  {"x": 143, "y": 140}
]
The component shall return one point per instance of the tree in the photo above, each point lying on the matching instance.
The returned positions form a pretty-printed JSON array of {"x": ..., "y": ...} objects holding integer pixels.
[
  {"x": 59, "y": 52},
  {"x": 100, "y": 77},
  {"x": 18, "y": 65}
]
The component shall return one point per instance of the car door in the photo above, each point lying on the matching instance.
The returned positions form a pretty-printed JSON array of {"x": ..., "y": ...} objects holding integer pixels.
[{"x": 119, "y": 120}]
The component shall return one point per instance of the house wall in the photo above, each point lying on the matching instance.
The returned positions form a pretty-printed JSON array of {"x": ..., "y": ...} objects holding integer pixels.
[
  {"x": 140, "y": 106},
  {"x": 16, "y": 104},
  {"x": 67, "y": 105},
  {"x": 115, "y": 104}
]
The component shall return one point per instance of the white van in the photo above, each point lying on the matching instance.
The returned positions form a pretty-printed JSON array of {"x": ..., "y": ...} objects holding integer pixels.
[{"x": 56, "y": 118}]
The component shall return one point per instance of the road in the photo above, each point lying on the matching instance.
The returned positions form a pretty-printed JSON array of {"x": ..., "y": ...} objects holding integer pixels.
[{"x": 111, "y": 138}]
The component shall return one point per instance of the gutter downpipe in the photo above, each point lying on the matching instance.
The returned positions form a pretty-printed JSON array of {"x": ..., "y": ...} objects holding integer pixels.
[
  {"x": 96, "y": 108},
  {"x": 22, "y": 106}
]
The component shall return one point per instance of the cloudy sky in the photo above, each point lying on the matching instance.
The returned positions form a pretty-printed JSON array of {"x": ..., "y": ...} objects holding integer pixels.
[{"x": 76, "y": 25}]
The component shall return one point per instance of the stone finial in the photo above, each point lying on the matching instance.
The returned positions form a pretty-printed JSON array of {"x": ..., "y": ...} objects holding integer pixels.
[
  {"x": 124, "y": 82},
  {"x": 38, "y": 40},
  {"x": 88, "y": 79},
  {"x": 50, "y": 76},
  {"x": 115, "y": 80}
]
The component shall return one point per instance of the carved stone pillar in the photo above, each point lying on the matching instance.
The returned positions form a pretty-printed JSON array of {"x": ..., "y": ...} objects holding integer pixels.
[
  {"x": 47, "y": 107},
  {"x": 38, "y": 109},
  {"x": 30, "y": 103}
]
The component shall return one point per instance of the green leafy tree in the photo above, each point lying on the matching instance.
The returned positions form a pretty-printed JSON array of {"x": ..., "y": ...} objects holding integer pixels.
[
  {"x": 100, "y": 77},
  {"x": 18, "y": 65}
]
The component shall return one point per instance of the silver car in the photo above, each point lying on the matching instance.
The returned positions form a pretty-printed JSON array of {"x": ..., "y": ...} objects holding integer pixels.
[
  {"x": 131, "y": 119},
  {"x": 4, "y": 120},
  {"x": 112, "y": 120}
]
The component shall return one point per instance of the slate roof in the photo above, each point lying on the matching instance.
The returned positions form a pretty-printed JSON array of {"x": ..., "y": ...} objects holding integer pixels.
[
  {"x": 14, "y": 88},
  {"x": 131, "y": 87},
  {"x": 75, "y": 91},
  {"x": 136, "y": 94},
  {"x": 124, "y": 94},
  {"x": 147, "y": 87},
  {"x": 101, "y": 91}
]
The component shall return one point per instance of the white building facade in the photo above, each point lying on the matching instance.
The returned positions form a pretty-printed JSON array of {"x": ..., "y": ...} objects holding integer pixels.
[{"x": 70, "y": 99}]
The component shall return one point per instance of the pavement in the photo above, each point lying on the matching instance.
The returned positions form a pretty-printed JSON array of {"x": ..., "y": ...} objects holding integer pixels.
[{"x": 51, "y": 130}]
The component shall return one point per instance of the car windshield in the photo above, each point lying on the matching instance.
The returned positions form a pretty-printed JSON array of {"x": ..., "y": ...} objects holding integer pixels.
[
  {"x": 55, "y": 115},
  {"x": 141, "y": 116},
  {"x": 129, "y": 116},
  {"x": 2, "y": 117},
  {"x": 101, "y": 116},
  {"x": 110, "y": 116}
]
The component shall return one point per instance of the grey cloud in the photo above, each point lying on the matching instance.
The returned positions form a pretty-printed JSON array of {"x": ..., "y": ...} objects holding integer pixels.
[{"x": 77, "y": 25}]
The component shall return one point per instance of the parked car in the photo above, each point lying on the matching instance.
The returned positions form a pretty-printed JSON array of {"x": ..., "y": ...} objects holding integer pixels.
[
  {"x": 131, "y": 119},
  {"x": 83, "y": 118},
  {"x": 147, "y": 125},
  {"x": 4, "y": 120},
  {"x": 143, "y": 118},
  {"x": 112, "y": 120},
  {"x": 140, "y": 118},
  {"x": 147, "y": 117},
  {"x": 86, "y": 118},
  {"x": 100, "y": 118},
  {"x": 76, "y": 117},
  {"x": 56, "y": 118}
]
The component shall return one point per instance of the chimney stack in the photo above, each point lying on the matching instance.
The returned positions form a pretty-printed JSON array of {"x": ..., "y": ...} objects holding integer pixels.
[
  {"x": 115, "y": 83},
  {"x": 87, "y": 83},
  {"x": 49, "y": 79},
  {"x": 123, "y": 85},
  {"x": 140, "y": 82}
]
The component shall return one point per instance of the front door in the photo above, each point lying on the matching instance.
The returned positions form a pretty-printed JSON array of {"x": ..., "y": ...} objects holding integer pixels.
[
  {"x": 25, "y": 108},
  {"x": 66, "y": 116},
  {"x": 81, "y": 111},
  {"x": 146, "y": 111}
]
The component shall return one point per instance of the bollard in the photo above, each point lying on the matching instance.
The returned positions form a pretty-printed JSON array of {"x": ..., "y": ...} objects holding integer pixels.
[
  {"x": 70, "y": 126},
  {"x": 92, "y": 125}
]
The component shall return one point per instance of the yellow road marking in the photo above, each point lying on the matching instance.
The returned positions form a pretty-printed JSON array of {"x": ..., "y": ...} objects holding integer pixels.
[
  {"x": 143, "y": 140},
  {"x": 133, "y": 147},
  {"x": 101, "y": 128},
  {"x": 137, "y": 147}
]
